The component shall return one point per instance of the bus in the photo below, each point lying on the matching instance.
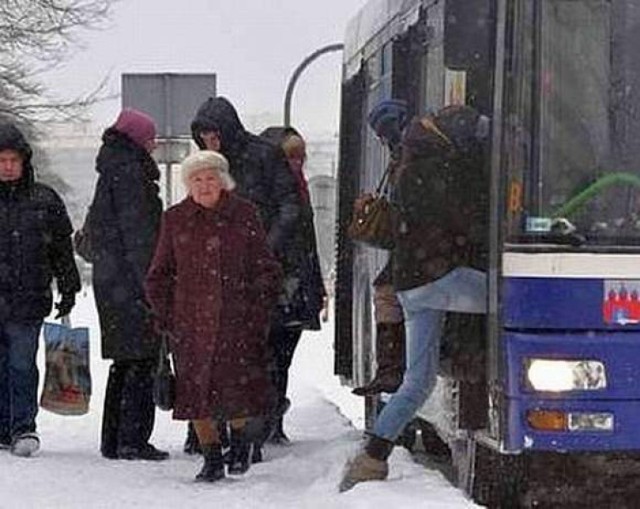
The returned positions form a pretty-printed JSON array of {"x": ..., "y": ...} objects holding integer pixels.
[{"x": 539, "y": 400}]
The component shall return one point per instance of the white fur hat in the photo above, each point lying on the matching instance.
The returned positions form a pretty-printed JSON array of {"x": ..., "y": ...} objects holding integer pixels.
[{"x": 210, "y": 160}]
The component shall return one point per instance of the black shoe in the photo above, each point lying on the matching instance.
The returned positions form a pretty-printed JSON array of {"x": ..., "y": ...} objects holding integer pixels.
[
  {"x": 239, "y": 453},
  {"x": 109, "y": 454},
  {"x": 146, "y": 452},
  {"x": 213, "y": 467}
]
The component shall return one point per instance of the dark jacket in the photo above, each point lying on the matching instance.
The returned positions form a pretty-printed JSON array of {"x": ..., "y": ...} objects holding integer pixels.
[
  {"x": 124, "y": 220},
  {"x": 258, "y": 167},
  {"x": 442, "y": 200},
  {"x": 35, "y": 241},
  {"x": 212, "y": 282},
  {"x": 301, "y": 302}
]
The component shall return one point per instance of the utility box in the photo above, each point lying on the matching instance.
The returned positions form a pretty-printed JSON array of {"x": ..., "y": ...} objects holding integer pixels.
[{"x": 172, "y": 99}]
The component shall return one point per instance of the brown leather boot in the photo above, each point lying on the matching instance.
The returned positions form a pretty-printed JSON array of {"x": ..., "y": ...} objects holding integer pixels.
[{"x": 390, "y": 357}]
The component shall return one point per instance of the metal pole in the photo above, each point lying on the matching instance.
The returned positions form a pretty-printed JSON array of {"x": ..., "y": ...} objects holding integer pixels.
[
  {"x": 168, "y": 183},
  {"x": 296, "y": 74}
]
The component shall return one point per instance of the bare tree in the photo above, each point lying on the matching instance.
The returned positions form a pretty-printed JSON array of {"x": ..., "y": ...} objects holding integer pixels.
[{"x": 36, "y": 35}]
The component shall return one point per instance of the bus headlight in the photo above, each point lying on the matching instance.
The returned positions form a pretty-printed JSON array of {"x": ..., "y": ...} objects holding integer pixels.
[{"x": 550, "y": 375}]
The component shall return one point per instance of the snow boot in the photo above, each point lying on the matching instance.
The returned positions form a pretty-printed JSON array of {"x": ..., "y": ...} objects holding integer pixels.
[
  {"x": 239, "y": 452},
  {"x": 213, "y": 467},
  {"x": 25, "y": 444},
  {"x": 370, "y": 465},
  {"x": 278, "y": 436},
  {"x": 390, "y": 358}
]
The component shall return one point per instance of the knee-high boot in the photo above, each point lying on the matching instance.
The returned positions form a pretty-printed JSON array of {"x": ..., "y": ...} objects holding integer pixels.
[{"x": 390, "y": 357}]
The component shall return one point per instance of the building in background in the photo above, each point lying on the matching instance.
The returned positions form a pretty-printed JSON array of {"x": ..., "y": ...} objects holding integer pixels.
[{"x": 69, "y": 153}]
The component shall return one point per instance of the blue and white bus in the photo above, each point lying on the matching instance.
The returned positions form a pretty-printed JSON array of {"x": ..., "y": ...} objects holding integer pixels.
[{"x": 539, "y": 401}]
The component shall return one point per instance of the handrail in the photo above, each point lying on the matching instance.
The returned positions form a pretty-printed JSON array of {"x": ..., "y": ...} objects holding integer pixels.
[{"x": 587, "y": 194}]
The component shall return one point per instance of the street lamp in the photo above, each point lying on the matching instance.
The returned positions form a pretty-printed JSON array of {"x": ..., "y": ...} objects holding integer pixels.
[{"x": 296, "y": 74}]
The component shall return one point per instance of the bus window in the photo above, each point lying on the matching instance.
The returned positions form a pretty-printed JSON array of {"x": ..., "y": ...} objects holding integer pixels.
[{"x": 564, "y": 138}]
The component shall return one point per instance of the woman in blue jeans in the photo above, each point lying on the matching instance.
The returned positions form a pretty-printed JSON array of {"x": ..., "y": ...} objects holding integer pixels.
[{"x": 439, "y": 260}]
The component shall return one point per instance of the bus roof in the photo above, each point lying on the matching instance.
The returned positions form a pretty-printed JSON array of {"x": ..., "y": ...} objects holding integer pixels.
[{"x": 376, "y": 17}]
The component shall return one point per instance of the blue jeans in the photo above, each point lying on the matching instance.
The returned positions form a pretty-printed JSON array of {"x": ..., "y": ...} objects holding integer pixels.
[
  {"x": 463, "y": 290},
  {"x": 18, "y": 378}
]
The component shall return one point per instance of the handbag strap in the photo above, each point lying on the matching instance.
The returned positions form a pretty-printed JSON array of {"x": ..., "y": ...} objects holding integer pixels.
[{"x": 383, "y": 185}]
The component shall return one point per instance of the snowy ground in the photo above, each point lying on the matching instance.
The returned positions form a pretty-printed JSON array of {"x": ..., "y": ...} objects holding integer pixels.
[{"x": 323, "y": 424}]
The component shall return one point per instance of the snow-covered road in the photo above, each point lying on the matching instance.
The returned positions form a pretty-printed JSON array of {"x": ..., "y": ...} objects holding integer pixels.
[{"x": 70, "y": 473}]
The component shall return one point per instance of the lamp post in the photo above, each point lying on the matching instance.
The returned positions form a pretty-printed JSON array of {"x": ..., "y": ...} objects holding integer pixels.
[{"x": 296, "y": 75}]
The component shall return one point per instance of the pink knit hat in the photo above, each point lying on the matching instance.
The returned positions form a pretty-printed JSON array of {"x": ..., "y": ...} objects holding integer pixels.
[{"x": 137, "y": 125}]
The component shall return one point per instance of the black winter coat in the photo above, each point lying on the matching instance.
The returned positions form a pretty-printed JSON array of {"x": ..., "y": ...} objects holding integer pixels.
[
  {"x": 303, "y": 294},
  {"x": 442, "y": 201},
  {"x": 259, "y": 168},
  {"x": 35, "y": 242},
  {"x": 124, "y": 220}
]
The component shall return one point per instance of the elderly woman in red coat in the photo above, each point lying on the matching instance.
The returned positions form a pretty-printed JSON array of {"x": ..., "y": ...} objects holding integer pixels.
[{"x": 212, "y": 283}]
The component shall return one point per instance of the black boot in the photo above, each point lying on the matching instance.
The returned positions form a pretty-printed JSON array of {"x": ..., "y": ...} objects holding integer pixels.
[
  {"x": 213, "y": 467},
  {"x": 191, "y": 444},
  {"x": 279, "y": 437},
  {"x": 256, "y": 453},
  {"x": 390, "y": 357},
  {"x": 239, "y": 452}
]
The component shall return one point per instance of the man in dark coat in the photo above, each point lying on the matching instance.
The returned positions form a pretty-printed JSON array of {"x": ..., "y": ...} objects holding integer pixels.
[
  {"x": 124, "y": 219},
  {"x": 35, "y": 247},
  {"x": 259, "y": 169},
  {"x": 438, "y": 260}
]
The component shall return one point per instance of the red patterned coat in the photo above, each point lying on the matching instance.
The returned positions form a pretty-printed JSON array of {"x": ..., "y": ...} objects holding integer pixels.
[{"x": 212, "y": 283}]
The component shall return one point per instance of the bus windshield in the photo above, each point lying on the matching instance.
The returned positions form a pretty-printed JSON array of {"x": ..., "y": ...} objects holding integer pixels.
[{"x": 572, "y": 122}]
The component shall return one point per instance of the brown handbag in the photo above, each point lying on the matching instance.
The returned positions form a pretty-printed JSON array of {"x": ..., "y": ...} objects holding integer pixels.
[{"x": 372, "y": 219}]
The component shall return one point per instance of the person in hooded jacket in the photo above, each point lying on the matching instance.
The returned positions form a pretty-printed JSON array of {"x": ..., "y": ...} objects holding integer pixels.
[
  {"x": 261, "y": 174},
  {"x": 258, "y": 167},
  {"x": 303, "y": 295},
  {"x": 439, "y": 261},
  {"x": 123, "y": 224},
  {"x": 35, "y": 247}
]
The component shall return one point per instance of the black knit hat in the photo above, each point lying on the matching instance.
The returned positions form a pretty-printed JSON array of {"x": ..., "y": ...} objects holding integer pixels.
[{"x": 12, "y": 139}]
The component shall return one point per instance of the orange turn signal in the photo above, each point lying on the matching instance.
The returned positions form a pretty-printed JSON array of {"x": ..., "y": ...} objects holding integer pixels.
[{"x": 547, "y": 420}]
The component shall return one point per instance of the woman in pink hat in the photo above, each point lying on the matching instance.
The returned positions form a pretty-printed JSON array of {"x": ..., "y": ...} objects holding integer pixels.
[{"x": 123, "y": 224}]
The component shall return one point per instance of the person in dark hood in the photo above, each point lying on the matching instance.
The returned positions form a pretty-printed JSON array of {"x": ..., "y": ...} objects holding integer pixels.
[
  {"x": 258, "y": 167},
  {"x": 261, "y": 173},
  {"x": 302, "y": 298},
  {"x": 35, "y": 247},
  {"x": 123, "y": 223},
  {"x": 439, "y": 260}
]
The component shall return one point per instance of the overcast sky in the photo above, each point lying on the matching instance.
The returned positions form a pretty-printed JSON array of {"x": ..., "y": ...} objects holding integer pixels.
[{"x": 252, "y": 45}]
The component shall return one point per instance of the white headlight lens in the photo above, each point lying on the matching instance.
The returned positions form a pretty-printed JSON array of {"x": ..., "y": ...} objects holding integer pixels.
[
  {"x": 549, "y": 375},
  {"x": 590, "y": 421}
]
